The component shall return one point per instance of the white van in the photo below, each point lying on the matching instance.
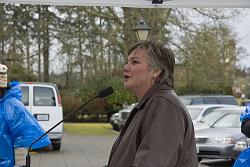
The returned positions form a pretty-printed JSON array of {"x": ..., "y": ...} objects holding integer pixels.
[{"x": 44, "y": 101}]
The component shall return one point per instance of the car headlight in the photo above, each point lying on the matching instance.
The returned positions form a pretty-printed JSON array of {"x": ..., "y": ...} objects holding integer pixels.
[
  {"x": 241, "y": 144},
  {"x": 222, "y": 140}
]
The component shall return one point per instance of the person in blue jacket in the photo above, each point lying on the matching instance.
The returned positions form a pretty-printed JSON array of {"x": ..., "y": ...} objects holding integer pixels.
[
  {"x": 244, "y": 158},
  {"x": 245, "y": 118},
  {"x": 18, "y": 127}
]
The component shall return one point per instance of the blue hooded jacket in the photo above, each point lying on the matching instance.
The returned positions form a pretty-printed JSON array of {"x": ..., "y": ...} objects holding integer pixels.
[
  {"x": 246, "y": 114},
  {"x": 18, "y": 127},
  {"x": 244, "y": 158}
]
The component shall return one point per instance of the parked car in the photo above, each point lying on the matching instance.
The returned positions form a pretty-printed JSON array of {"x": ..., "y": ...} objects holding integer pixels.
[
  {"x": 208, "y": 99},
  {"x": 44, "y": 102},
  {"x": 118, "y": 119},
  {"x": 210, "y": 118},
  {"x": 240, "y": 146},
  {"x": 218, "y": 141},
  {"x": 124, "y": 114},
  {"x": 197, "y": 112},
  {"x": 114, "y": 121}
]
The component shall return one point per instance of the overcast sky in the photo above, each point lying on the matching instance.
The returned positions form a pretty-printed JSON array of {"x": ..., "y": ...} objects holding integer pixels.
[{"x": 242, "y": 28}]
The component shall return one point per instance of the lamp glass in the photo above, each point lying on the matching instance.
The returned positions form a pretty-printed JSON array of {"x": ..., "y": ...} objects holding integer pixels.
[{"x": 142, "y": 35}]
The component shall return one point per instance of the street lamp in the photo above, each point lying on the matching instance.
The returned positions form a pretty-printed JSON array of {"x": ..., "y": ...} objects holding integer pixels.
[{"x": 142, "y": 31}]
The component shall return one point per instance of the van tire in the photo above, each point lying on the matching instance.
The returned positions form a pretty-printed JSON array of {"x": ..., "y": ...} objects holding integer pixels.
[{"x": 56, "y": 146}]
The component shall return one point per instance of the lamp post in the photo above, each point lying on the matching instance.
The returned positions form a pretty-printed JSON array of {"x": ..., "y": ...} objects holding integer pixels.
[{"x": 142, "y": 31}]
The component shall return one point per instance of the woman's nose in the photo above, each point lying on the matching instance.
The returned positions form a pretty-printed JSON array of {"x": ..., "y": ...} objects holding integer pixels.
[{"x": 126, "y": 66}]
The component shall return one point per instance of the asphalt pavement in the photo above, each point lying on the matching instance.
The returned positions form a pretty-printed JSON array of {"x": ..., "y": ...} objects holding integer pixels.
[
  {"x": 77, "y": 150},
  {"x": 85, "y": 151}
]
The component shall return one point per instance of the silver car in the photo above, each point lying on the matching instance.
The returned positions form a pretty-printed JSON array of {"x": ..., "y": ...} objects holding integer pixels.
[
  {"x": 114, "y": 121},
  {"x": 218, "y": 141},
  {"x": 124, "y": 114}
]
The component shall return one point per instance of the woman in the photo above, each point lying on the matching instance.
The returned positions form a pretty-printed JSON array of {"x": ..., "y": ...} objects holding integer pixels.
[
  {"x": 18, "y": 127},
  {"x": 158, "y": 132}
]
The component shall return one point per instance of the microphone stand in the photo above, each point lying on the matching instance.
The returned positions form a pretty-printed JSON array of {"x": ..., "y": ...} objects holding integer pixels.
[{"x": 28, "y": 154}]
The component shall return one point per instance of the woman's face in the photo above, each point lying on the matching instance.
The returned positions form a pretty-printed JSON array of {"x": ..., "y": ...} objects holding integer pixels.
[{"x": 138, "y": 75}]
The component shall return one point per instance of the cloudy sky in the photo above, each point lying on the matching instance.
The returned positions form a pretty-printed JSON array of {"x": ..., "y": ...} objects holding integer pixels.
[{"x": 242, "y": 27}]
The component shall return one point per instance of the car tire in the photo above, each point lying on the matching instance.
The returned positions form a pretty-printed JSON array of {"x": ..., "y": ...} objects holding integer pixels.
[
  {"x": 56, "y": 146},
  {"x": 116, "y": 127},
  {"x": 199, "y": 159}
]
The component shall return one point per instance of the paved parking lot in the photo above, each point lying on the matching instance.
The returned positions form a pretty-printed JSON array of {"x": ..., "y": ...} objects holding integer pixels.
[
  {"x": 77, "y": 150},
  {"x": 86, "y": 151}
]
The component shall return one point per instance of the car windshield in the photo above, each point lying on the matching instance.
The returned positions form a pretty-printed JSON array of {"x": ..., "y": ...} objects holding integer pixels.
[
  {"x": 231, "y": 120},
  {"x": 194, "y": 112},
  {"x": 211, "y": 117},
  {"x": 115, "y": 115}
]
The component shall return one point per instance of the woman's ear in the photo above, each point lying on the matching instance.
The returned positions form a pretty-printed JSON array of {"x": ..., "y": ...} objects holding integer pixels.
[{"x": 156, "y": 73}]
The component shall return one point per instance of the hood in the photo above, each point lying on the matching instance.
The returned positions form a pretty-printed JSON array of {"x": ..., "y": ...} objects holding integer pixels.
[
  {"x": 219, "y": 132},
  {"x": 13, "y": 90}
]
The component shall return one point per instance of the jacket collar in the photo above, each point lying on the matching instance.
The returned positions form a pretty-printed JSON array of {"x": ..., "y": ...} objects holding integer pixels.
[{"x": 155, "y": 88}]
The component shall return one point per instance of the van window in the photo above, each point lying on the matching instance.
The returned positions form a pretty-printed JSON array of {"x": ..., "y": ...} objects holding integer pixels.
[
  {"x": 25, "y": 95},
  {"x": 44, "y": 96}
]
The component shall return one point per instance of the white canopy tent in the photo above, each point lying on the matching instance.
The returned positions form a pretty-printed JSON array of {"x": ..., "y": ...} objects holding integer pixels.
[{"x": 138, "y": 3}]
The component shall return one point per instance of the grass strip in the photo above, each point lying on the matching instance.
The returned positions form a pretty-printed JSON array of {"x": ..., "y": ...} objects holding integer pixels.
[{"x": 89, "y": 128}]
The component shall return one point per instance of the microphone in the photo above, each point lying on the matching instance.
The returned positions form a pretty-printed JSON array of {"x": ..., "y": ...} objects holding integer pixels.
[
  {"x": 103, "y": 93},
  {"x": 106, "y": 92}
]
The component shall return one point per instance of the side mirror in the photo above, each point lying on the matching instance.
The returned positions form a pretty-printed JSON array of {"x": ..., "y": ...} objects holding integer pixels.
[{"x": 211, "y": 124}]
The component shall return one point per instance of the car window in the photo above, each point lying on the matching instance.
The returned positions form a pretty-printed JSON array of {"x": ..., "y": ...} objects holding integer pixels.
[
  {"x": 228, "y": 121},
  {"x": 186, "y": 99},
  {"x": 227, "y": 100},
  {"x": 25, "y": 95},
  {"x": 197, "y": 100},
  {"x": 209, "y": 110},
  {"x": 210, "y": 100},
  {"x": 217, "y": 99},
  {"x": 44, "y": 96},
  {"x": 194, "y": 112}
]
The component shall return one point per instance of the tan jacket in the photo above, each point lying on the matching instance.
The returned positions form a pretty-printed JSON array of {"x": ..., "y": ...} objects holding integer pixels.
[{"x": 158, "y": 133}]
